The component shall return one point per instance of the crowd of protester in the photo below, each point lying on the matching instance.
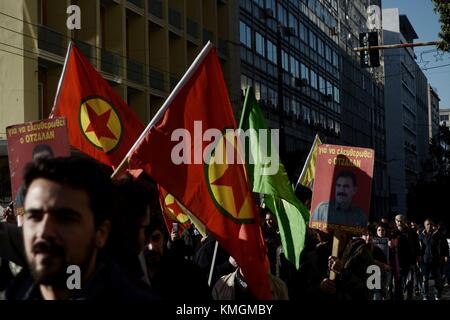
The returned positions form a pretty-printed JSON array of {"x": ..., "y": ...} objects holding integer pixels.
[{"x": 75, "y": 214}]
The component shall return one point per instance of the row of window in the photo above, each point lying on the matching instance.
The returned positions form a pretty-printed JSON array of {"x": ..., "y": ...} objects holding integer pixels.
[
  {"x": 267, "y": 48},
  {"x": 269, "y": 96},
  {"x": 288, "y": 19}
]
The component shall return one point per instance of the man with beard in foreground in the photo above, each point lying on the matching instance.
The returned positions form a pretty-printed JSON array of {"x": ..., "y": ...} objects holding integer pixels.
[{"x": 68, "y": 203}]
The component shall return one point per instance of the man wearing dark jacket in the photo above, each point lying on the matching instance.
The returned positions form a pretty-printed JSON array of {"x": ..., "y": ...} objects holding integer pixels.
[
  {"x": 430, "y": 242},
  {"x": 68, "y": 203},
  {"x": 408, "y": 254}
]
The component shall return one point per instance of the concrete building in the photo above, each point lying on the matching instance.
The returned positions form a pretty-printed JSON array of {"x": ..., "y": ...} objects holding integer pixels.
[
  {"x": 363, "y": 111},
  {"x": 433, "y": 111},
  {"x": 444, "y": 117},
  {"x": 422, "y": 147},
  {"x": 406, "y": 105},
  {"x": 142, "y": 47},
  {"x": 324, "y": 88}
]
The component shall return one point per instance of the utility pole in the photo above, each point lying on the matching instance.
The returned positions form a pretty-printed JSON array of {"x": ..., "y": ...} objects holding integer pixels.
[{"x": 395, "y": 46}]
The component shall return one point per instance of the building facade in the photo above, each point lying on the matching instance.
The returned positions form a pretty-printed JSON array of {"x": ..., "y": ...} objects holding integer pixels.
[
  {"x": 363, "y": 112},
  {"x": 325, "y": 90},
  {"x": 407, "y": 114},
  {"x": 444, "y": 117},
  {"x": 142, "y": 47},
  {"x": 433, "y": 111}
]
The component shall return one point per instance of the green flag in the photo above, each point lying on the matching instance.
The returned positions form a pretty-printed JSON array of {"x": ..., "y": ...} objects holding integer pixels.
[{"x": 279, "y": 196}]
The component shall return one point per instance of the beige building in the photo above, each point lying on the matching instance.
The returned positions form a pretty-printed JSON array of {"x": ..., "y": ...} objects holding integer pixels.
[
  {"x": 444, "y": 117},
  {"x": 143, "y": 47}
]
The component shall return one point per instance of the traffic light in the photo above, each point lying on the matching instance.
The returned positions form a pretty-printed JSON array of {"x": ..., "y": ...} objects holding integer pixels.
[{"x": 369, "y": 58}]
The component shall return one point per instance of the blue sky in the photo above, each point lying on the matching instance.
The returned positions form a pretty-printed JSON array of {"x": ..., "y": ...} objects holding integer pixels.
[{"x": 426, "y": 24}]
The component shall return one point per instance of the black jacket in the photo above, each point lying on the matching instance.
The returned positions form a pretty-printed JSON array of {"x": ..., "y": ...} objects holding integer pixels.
[
  {"x": 108, "y": 283},
  {"x": 431, "y": 247}
]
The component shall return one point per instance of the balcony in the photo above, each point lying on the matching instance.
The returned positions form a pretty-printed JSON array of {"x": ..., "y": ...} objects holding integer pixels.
[
  {"x": 135, "y": 71},
  {"x": 155, "y": 8},
  {"x": 111, "y": 63},
  {"x": 192, "y": 28},
  {"x": 137, "y": 3},
  {"x": 223, "y": 48},
  {"x": 51, "y": 41},
  {"x": 207, "y": 36},
  {"x": 175, "y": 19},
  {"x": 173, "y": 83},
  {"x": 156, "y": 79},
  {"x": 86, "y": 48}
]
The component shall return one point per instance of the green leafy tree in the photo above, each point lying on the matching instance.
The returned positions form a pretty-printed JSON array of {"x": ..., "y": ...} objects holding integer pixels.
[{"x": 442, "y": 7}]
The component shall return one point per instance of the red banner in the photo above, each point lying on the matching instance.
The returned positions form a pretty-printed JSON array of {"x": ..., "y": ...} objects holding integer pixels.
[
  {"x": 30, "y": 141},
  {"x": 342, "y": 188}
]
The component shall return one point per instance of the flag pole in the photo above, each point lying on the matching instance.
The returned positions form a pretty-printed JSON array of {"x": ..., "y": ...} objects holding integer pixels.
[
  {"x": 194, "y": 66},
  {"x": 213, "y": 263},
  {"x": 307, "y": 161},
  {"x": 58, "y": 89}
]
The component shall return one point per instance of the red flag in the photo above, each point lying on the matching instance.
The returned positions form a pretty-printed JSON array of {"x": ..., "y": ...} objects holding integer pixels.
[
  {"x": 217, "y": 194},
  {"x": 172, "y": 212},
  {"x": 100, "y": 123}
]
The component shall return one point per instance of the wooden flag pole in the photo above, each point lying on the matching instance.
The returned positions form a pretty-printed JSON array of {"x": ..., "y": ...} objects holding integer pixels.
[{"x": 335, "y": 250}]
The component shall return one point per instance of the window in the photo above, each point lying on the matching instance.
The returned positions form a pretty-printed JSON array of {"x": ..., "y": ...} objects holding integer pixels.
[
  {"x": 320, "y": 10},
  {"x": 443, "y": 117},
  {"x": 334, "y": 4},
  {"x": 330, "y": 123},
  {"x": 306, "y": 114},
  {"x": 271, "y": 4},
  {"x": 296, "y": 108},
  {"x": 335, "y": 59},
  {"x": 285, "y": 60},
  {"x": 336, "y": 94},
  {"x": 322, "y": 120},
  {"x": 303, "y": 33},
  {"x": 337, "y": 127},
  {"x": 322, "y": 85},
  {"x": 245, "y": 34},
  {"x": 271, "y": 52},
  {"x": 244, "y": 82},
  {"x": 260, "y": 44},
  {"x": 272, "y": 97},
  {"x": 286, "y": 104},
  {"x": 304, "y": 72},
  {"x": 257, "y": 88},
  {"x": 293, "y": 23},
  {"x": 314, "y": 117},
  {"x": 295, "y": 69},
  {"x": 320, "y": 47},
  {"x": 259, "y": 2},
  {"x": 312, "y": 40},
  {"x": 264, "y": 95},
  {"x": 282, "y": 15},
  {"x": 329, "y": 88},
  {"x": 313, "y": 79},
  {"x": 312, "y": 4},
  {"x": 328, "y": 53}
]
